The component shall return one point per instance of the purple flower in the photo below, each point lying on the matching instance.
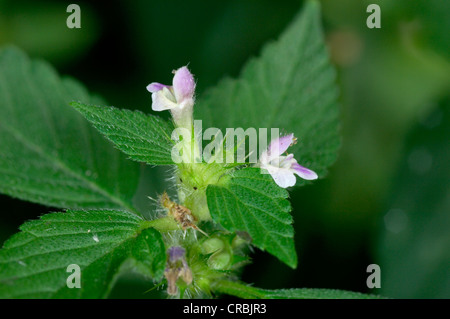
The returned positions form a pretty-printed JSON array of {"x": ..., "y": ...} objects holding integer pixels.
[
  {"x": 177, "y": 267},
  {"x": 178, "y": 98},
  {"x": 176, "y": 253},
  {"x": 282, "y": 168}
]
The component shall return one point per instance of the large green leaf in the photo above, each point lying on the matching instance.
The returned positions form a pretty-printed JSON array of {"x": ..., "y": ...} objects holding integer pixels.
[
  {"x": 251, "y": 201},
  {"x": 245, "y": 291},
  {"x": 291, "y": 87},
  {"x": 144, "y": 138},
  {"x": 33, "y": 263},
  {"x": 49, "y": 154}
]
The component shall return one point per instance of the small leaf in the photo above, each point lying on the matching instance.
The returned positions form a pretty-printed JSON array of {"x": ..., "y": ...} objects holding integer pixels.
[
  {"x": 245, "y": 291},
  {"x": 33, "y": 263},
  {"x": 291, "y": 86},
  {"x": 150, "y": 253},
  {"x": 251, "y": 201},
  {"x": 144, "y": 138},
  {"x": 48, "y": 153}
]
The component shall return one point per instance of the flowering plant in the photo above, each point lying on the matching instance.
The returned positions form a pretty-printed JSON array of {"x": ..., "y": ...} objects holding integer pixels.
[{"x": 202, "y": 229}]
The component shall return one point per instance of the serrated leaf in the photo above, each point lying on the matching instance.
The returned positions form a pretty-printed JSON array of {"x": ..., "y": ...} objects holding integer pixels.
[
  {"x": 33, "y": 263},
  {"x": 291, "y": 86},
  {"x": 251, "y": 201},
  {"x": 245, "y": 291},
  {"x": 150, "y": 253},
  {"x": 144, "y": 138},
  {"x": 48, "y": 153}
]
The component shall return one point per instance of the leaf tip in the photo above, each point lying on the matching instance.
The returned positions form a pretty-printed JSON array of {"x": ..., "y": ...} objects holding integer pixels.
[
  {"x": 293, "y": 263},
  {"x": 76, "y": 105}
]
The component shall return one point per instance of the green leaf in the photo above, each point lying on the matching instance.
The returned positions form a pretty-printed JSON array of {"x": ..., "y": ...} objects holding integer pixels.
[
  {"x": 33, "y": 263},
  {"x": 144, "y": 138},
  {"x": 48, "y": 152},
  {"x": 245, "y": 291},
  {"x": 251, "y": 201},
  {"x": 291, "y": 86},
  {"x": 150, "y": 253}
]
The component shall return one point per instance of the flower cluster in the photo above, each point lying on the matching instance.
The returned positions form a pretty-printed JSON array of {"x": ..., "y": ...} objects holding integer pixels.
[{"x": 179, "y": 99}]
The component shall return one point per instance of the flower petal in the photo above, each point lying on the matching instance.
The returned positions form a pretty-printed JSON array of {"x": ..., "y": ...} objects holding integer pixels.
[
  {"x": 155, "y": 87},
  {"x": 161, "y": 102},
  {"x": 183, "y": 84},
  {"x": 280, "y": 145},
  {"x": 283, "y": 178},
  {"x": 303, "y": 172}
]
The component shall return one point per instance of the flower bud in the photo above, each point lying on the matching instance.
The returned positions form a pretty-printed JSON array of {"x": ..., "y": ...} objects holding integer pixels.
[
  {"x": 241, "y": 239},
  {"x": 220, "y": 260},
  {"x": 211, "y": 245}
]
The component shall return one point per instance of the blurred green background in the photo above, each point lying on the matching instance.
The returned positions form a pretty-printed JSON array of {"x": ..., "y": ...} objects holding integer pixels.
[{"x": 386, "y": 199}]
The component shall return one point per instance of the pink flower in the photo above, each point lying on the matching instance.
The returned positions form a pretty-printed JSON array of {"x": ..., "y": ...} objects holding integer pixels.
[
  {"x": 282, "y": 168},
  {"x": 178, "y": 98}
]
